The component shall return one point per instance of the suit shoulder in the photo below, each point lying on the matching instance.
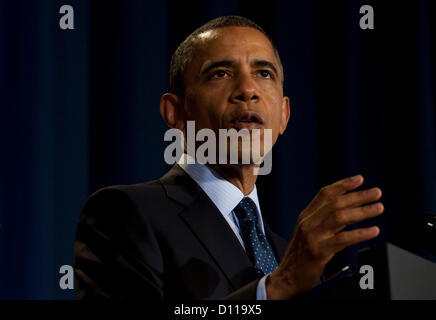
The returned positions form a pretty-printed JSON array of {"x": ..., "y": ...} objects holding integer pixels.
[
  {"x": 146, "y": 190},
  {"x": 146, "y": 198}
]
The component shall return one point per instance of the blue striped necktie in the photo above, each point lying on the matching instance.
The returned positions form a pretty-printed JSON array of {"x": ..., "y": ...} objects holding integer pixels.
[{"x": 256, "y": 245}]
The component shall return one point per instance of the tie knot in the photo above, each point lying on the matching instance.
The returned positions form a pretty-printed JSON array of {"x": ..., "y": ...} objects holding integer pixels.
[{"x": 246, "y": 210}]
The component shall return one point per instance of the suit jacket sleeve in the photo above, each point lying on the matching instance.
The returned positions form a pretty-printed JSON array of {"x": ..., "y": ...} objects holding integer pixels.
[
  {"x": 106, "y": 260},
  {"x": 117, "y": 254}
]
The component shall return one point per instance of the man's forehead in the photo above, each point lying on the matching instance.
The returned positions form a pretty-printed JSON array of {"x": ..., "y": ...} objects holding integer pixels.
[{"x": 222, "y": 43}]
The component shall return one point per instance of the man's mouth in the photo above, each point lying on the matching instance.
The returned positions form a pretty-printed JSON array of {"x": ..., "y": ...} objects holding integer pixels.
[{"x": 247, "y": 120}]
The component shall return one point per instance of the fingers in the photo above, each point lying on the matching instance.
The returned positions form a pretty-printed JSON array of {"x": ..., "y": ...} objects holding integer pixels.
[
  {"x": 355, "y": 199},
  {"x": 338, "y": 212},
  {"x": 348, "y": 238},
  {"x": 342, "y": 186},
  {"x": 333, "y": 209},
  {"x": 337, "y": 220},
  {"x": 334, "y": 190}
]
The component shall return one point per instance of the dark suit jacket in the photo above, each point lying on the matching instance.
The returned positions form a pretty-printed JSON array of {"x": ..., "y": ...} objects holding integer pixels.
[{"x": 164, "y": 239}]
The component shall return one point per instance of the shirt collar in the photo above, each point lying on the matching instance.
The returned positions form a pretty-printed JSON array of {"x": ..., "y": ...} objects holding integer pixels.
[{"x": 225, "y": 195}]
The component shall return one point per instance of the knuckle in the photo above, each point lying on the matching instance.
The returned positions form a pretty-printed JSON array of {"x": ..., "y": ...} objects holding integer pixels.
[
  {"x": 324, "y": 191},
  {"x": 335, "y": 203},
  {"x": 342, "y": 238},
  {"x": 313, "y": 249},
  {"x": 371, "y": 193},
  {"x": 338, "y": 217},
  {"x": 305, "y": 227},
  {"x": 360, "y": 233}
]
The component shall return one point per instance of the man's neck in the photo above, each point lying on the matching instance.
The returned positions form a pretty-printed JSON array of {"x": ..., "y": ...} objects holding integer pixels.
[{"x": 242, "y": 177}]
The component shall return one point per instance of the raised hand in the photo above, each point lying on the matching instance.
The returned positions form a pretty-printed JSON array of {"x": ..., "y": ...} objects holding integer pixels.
[{"x": 318, "y": 235}]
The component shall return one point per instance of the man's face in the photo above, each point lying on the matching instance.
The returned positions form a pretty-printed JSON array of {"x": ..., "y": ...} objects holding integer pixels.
[{"x": 234, "y": 81}]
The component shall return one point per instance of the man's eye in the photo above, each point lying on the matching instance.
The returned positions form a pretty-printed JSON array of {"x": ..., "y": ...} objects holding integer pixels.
[
  {"x": 265, "y": 74},
  {"x": 219, "y": 74}
]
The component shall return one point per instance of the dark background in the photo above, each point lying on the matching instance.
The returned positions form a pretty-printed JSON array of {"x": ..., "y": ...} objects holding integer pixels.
[{"x": 80, "y": 110}]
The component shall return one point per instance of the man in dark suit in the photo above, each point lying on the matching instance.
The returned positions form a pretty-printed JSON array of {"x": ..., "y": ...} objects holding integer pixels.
[{"x": 198, "y": 232}]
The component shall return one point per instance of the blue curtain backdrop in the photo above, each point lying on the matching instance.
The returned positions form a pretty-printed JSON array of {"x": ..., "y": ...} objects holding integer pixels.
[{"x": 79, "y": 111}]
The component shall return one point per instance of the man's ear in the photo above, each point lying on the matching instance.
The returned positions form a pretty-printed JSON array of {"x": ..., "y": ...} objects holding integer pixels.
[
  {"x": 286, "y": 113},
  {"x": 171, "y": 110}
]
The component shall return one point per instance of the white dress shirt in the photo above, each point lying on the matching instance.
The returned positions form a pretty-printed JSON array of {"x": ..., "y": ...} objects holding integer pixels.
[{"x": 226, "y": 196}]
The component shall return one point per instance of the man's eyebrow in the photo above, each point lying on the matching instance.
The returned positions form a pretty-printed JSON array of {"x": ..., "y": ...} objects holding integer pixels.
[
  {"x": 217, "y": 64},
  {"x": 265, "y": 63}
]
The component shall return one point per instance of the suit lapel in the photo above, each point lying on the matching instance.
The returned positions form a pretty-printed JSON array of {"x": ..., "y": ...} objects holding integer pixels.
[{"x": 210, "y": 227}]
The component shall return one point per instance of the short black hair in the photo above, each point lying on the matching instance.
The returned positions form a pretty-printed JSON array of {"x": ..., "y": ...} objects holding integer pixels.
[{"x": 183, "y": 54}]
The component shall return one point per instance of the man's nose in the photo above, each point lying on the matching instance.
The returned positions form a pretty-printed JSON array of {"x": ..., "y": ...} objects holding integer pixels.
[{"x": 245, "y": 89}]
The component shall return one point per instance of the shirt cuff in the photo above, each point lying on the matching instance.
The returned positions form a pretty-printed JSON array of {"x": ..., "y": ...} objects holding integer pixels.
[{"x": 261, "y": 289}]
